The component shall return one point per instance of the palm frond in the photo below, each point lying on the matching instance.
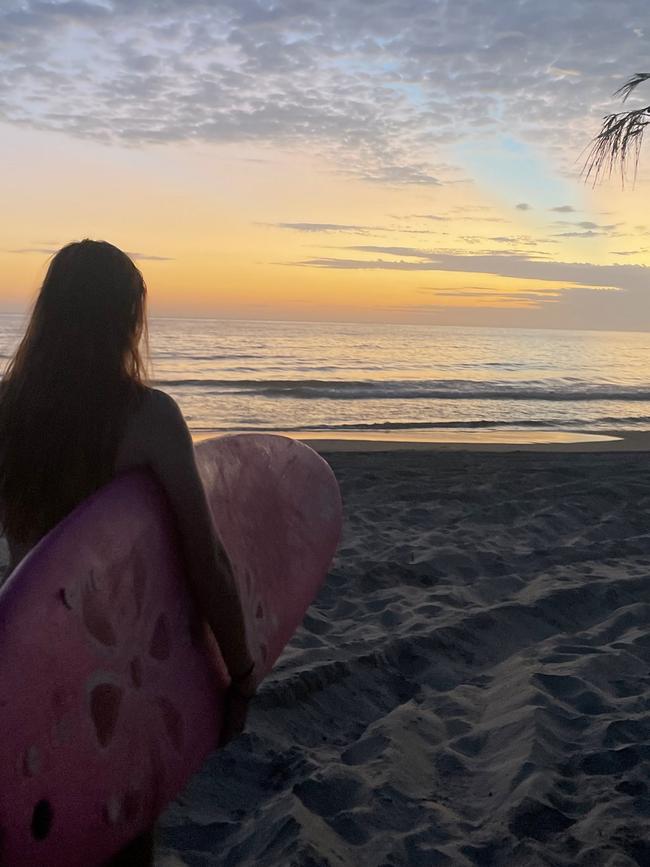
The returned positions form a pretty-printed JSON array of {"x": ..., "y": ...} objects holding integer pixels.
[
  {"x": 632, "y": 83},
  {"x": 620, "y": 138}
]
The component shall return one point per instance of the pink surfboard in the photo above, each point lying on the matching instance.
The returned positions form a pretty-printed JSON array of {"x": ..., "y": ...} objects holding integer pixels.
[{"x": 110, "y": 692}]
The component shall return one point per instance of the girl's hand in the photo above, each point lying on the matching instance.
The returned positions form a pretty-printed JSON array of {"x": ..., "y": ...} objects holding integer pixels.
[{"x": 238, "y": 697}]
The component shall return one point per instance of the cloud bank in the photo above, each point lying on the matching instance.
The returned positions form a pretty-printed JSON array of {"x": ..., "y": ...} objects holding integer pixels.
[
  {"x": 612, "y": 296},
  {"x": 380, "y": 88}
]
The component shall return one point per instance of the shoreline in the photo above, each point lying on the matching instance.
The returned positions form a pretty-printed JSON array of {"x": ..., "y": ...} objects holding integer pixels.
[{"x": 463, "y": 441}]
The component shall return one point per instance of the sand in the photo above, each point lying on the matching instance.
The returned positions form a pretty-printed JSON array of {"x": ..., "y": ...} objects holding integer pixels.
[{"x": 471, "y": 686}]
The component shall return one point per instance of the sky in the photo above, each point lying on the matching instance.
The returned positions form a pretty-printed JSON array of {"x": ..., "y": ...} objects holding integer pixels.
[{"x": 356, "y": 160}]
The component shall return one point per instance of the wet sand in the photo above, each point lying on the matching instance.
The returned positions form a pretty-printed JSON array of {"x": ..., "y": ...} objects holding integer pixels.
[{"x": 467, "y": 440}]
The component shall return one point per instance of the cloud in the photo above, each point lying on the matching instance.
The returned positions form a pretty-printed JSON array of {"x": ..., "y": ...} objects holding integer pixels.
[
  {"x": 50, "y": 251},
  {"x": 588, "y": 224},
  {"x": 558, "y": 70},
  {"x": 150, "y": 257},
  {"x": 435, "y": 217},
  {"x": 523, "y": 206},
  {"x": 326, "y": 227},
  {"x": 390, "y": 250},
  {"x": 380, "y": 89},
  {"x": 596, "y": 296},
  {"x": 514, "y": 239},
  {"x": 588, "y": 229},
  {"x": 588, "y": 234},
  {"x": 564, "y": 209},
  {"x": 497, "y": 297},
  {"x": 633, "y": 277},
  {"x": 603, "y": 227},
  {"x": 472, "y": 219}
]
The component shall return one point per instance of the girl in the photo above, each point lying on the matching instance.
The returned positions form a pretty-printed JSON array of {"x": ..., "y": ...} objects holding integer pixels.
[{"x": 75, "y": 411}]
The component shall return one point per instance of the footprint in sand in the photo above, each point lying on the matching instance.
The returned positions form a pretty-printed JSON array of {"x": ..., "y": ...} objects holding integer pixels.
[
  {"x": 365, "y": 750},
  {"x": 330, "y": 793}
]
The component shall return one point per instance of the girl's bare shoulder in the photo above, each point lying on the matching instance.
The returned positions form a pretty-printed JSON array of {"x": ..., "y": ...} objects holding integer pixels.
[{"x": 155, "y": 425}]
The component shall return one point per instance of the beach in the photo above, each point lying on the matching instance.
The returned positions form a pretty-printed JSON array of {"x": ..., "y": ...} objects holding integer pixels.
[{"x": 469, "y": 688}]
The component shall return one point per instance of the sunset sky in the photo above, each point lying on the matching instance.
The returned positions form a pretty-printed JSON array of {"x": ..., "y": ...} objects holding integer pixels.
[{"x": 371, "y": 160}]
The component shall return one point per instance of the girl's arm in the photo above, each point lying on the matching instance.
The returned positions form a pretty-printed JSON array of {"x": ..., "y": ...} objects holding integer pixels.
[{"x": 163, "y": 442}]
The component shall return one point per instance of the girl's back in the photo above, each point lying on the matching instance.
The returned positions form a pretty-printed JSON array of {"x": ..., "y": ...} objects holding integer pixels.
[{"x": 70, "y": 388}]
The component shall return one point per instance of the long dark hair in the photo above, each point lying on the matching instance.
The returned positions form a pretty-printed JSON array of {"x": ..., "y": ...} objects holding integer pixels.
[{"x": 66, "y": 392}]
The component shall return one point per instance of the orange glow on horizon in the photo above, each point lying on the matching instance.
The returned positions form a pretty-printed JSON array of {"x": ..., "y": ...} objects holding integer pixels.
[{"x": 207, "y": 221}]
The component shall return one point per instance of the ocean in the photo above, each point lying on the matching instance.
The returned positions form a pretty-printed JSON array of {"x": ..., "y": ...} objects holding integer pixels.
[{"x": 344, "y": 378}]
